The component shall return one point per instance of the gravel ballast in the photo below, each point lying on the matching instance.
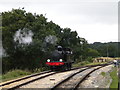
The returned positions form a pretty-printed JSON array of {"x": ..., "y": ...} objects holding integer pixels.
[{"x": 97, "y": 79}]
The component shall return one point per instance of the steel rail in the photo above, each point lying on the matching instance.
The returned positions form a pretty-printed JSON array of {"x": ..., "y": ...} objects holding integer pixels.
[
  {"x": 17, "y": 86},
  {"x": 55, "y": 86},
  {"x": 84, "y": 77},
  {"x": 26, "y": 77},
  {"x": 72, "y": 75},
  {"x": 17, "y": 80},
  {"x": 29, "y": 76}
]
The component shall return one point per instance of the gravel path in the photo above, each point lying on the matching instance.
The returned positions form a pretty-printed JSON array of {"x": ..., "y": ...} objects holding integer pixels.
[{"x": 97, "y": 80}]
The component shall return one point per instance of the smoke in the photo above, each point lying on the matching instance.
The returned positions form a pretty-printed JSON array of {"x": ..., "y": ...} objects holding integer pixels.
[
  {"x": 51, "y": 39},
  {"x": 23, "y": 36}
]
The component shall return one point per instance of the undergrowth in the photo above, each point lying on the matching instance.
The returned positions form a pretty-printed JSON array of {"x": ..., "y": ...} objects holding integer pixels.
[
  {"x": 13, "y": 75},
  {"x": 114, "y": 77}
]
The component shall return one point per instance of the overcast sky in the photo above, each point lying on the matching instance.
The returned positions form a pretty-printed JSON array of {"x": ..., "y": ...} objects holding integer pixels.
[{"x": 94, "y": 20}]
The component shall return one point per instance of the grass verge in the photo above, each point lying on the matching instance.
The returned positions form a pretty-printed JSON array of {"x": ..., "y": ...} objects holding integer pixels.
[
  {"x": 84, "y": 63},
  {"x": 78, "y": 64},
  {"x": 13, "y": 75},
  {"x": 114, "y": 77}
]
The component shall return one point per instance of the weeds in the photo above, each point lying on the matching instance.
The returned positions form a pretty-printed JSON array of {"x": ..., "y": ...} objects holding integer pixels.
[
  {"x": 114, "y": 77},
  {"x": 14, "y": 74}
]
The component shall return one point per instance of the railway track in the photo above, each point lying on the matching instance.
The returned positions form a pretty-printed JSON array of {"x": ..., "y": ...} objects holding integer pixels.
[
  {"x": 66, "y": 83},
  {"x": 13, "y": 84},
  {"x": 10, "y": 85},
  {"x": 12, "y": 81}
]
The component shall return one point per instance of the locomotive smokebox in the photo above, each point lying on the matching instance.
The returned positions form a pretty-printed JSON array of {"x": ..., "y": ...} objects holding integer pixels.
[{"x": 60, "y": 58}]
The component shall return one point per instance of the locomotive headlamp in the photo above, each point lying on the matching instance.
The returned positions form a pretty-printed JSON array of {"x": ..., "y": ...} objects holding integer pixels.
[
  {"x": 48, "y": 60},
  {"x": 61, "y": 60}
]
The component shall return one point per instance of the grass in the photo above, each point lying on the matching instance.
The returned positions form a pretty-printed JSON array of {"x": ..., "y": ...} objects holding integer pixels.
[
  {"x": 83, "y": 63},
  {"x": 95, "y": 63},
  {"x": 103, "y": 74},
  {"x": 78, "y": 64},
  {"x": 114, "y": 77},
  {"x": 113, "y": 74},
  {"x": 13, "y": 75}
]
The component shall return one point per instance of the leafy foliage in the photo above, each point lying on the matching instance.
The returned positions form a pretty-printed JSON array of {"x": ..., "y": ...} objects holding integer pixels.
[
  {"x": 28, "y": 39},
  {"x": 18, "y": 25},
  {"x": 92, "y": 53},
  {"x": 110, "y": 49}
]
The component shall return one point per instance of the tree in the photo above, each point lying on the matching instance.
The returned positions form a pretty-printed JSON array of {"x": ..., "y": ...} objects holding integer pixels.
[
  {"x": 19, "y": 27},
  {"x": 92, "y": 53},
  {"x": 109, "y": 49}
]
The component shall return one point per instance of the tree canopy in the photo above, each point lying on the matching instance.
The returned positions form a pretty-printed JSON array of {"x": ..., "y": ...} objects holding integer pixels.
[
  {"x": 110, "y": 49},
  {"x": 29, "y": 38}
]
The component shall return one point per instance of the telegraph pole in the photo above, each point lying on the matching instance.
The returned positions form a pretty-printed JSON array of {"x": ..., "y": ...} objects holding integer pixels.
[
  {"x": 118, "y": 75},
  {"x": 107, "y": 51},
  {"x": 81, "y": 49}
]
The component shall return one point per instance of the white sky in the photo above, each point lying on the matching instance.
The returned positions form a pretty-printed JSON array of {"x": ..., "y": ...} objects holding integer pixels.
[{"x": 94, "y": 20}]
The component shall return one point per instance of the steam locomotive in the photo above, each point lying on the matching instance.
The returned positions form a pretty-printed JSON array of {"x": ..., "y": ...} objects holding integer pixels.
[{"x": 60, "y": 59}]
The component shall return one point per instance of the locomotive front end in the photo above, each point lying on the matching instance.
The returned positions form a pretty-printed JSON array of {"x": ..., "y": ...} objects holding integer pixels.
[
  {"x": 55, "y": 61},
  {"x": 60, "y": 59}
]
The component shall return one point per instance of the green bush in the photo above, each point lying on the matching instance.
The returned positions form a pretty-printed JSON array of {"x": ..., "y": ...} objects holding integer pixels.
[{"x": 89, "y": 59}]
